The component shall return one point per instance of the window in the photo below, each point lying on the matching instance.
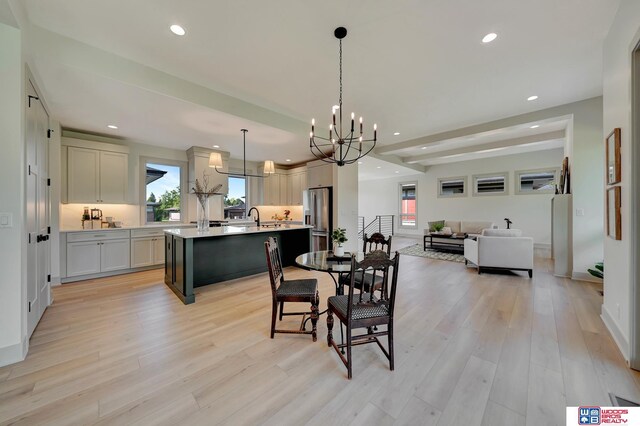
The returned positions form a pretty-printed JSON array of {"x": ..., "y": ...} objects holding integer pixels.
[
  {"x": 235, "y": 202},
  {"x": 162, "y": 194},
  {"x": 452, "y": 187},
  {"x": 408, "y": 193},
  {"x": 490, "y": 184},
  {"x": 541, "y": 181}
]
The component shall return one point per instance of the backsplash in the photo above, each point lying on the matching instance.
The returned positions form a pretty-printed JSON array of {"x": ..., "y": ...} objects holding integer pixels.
[
  {"x": 267, "y": 212},
  {"x": 71, "y": 214},
  {"x": 129, "y": 214}
]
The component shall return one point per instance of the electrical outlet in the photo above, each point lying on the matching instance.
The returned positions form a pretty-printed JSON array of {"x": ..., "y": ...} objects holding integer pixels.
[{"x": 579, "y": 212}]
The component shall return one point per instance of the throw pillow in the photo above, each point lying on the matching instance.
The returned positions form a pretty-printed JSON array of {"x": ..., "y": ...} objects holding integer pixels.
[{"x": 434, "y": 223}]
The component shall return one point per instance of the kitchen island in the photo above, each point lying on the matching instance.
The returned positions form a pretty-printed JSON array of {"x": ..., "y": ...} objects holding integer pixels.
[{"x": 194, "y": 259}]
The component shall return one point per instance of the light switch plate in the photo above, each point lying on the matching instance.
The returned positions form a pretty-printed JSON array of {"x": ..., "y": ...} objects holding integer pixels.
[
  {"x": 579, "y": 212},
  {"x": 6, "y": 220}
]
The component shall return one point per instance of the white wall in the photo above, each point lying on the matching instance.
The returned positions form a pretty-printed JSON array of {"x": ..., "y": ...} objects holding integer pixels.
[
  {"x": 623, "y": 36},
  {"x": 12, "y": 240},
  {"x": 586, "y": 153},
  {"x": 345, "y": 203},
  {"x": 531, "y": 213}
]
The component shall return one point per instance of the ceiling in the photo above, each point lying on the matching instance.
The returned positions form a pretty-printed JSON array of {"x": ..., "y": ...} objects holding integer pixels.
[{"x": 417, "y": 67}]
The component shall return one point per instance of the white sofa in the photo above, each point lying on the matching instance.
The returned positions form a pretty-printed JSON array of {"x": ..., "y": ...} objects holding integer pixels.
[
  {"x": 472, "y": 228},
  {"x": 500, "y": 249}
]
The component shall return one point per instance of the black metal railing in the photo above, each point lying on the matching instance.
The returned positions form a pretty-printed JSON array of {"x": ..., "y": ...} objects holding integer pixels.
[{"x": 383, "y": 224}]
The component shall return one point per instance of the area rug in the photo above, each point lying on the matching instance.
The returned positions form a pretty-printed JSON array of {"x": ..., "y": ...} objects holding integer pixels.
[{"x": 416, "y": 250}]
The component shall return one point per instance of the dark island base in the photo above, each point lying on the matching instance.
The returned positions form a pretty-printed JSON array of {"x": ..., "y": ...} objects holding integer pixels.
[{"x": 196, "y": 262}]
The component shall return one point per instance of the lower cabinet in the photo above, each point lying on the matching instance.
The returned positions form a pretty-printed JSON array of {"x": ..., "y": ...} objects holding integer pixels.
[
  {"x": 114, "y": 255},
  {"x": 93, "y": 257},
  {"x": 83, "y": 258},
  {"x": 147, "y": 251}
]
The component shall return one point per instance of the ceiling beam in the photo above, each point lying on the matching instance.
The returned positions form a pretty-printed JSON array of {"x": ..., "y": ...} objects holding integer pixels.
[
  {"x": 399, "y": 162},
  {"x": 562, "y": 112},
  {"x": 559, "y": 134}
]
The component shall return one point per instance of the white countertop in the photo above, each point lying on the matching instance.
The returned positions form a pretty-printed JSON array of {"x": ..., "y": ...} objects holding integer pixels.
[
  {"x": 154, "y": 226},
  {"x": 230, "y": 230}
]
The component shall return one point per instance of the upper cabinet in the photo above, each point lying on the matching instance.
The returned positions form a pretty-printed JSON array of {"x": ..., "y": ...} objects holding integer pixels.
[
  {"x": 99, "y": 175},
  {"x": 319, "y": 174},
  {"x": 284, "y": 188},
  {"x": 297, "y": 184}
]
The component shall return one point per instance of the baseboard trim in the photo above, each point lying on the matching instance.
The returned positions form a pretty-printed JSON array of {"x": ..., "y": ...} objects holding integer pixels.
[
  {"x": 618, "y": 336},
  {"x": 14, "y": 353},
  {"x": 55, "y": 281},
  {"x": 583, "y": 276},
  {"x": 108, "y": 274},
  {"x": 542, "y": 246}
]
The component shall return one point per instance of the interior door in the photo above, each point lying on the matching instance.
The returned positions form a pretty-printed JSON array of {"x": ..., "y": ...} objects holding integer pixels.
[{"x": 38, "y": 209}]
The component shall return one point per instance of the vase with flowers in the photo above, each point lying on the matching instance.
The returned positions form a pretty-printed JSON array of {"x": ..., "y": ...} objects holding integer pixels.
[
  {"x": 203, "y": 192},
  {"x": 339, "y": 237}
]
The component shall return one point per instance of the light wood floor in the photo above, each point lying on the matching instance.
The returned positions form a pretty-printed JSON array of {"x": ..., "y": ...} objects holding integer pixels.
[{"x": 493, "y": 349}]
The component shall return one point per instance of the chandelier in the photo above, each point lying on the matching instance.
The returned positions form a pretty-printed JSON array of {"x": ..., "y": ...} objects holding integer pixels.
[
  {"x": 215, "y": 161},
  {"x": 341, "y": 147}
]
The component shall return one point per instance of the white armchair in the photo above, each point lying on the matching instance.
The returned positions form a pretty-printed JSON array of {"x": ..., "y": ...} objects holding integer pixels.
[{"x": 500, "y": 249}]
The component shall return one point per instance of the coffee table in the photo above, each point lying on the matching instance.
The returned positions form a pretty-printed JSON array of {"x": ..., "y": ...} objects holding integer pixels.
[{"x": 455, "y": 243}]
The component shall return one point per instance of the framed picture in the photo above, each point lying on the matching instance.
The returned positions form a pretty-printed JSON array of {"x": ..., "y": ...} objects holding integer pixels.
[
  {"x": 614, "y": 219},
  {"x": 614, "y": 174}
]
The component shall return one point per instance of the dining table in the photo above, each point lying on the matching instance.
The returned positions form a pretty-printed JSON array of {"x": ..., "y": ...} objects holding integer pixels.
[{"x": 327, "y": 261}]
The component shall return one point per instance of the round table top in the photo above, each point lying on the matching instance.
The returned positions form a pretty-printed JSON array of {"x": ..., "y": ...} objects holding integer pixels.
[{"x": 325, "y": 261}]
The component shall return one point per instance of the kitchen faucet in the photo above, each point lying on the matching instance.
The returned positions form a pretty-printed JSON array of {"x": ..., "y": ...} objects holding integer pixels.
[{"x": 258, "y": 215}]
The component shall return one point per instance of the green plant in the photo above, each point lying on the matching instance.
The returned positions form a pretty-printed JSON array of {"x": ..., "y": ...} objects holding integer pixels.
[
  {"x": 598, "y": 272},
  {"x": 339, "y": 236},
  {"x": 438, "y": 227}
]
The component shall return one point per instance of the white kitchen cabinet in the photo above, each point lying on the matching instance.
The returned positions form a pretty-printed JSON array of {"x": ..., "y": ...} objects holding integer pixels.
[
  {"x": 283, "y": 196},
  {"x": 319, "y": 175},
  {"x": 158, "y": 250},
  {"x": 142, "y": 252},
  {"x": 297, "y": 184},
  {"x": 82, "y": 175},
  {"x": 271, "y": 190},
  {"x": 147, "y": 251},
  {"x": 114, "y": 171},
  {"x": 114, "y": 255},
  {"x": 83, "y": 258},
  {"x": 95, "y": 176},
  {"x": 97, "y": 252}
]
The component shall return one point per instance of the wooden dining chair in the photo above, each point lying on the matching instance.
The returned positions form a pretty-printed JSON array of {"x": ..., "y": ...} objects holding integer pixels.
[
  {"x": 376, "y": 241},
  {"x": 303, "y": 290},
  {"x": 360, "y": 309}
]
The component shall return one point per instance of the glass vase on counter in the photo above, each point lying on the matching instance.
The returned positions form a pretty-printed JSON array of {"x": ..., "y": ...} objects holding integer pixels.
[{"x": 202, "y": 216}]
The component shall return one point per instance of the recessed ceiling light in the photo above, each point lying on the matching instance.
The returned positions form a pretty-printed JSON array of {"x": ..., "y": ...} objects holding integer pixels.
[
  {"x": 288, "y": 160},
  {"x": 359, "y": 162},
  {"x": 424, "y": 147},
  {"x": 177, "y": 30},
  {"x": 216, "y": 146},
  {"x": 532, "y": 98},
  {"x": 535, "y": 126},
  {"x": 396, "y": 133},
  {"x": 489, "y": 37},
  {"x": 379, "y": 167},
  {"x": 111, "y": 126},
  {"x": 397, "y": 171}
]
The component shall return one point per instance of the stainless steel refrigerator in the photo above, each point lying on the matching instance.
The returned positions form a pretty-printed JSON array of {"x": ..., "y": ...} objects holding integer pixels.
[{"x": 319, "y": 213}]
